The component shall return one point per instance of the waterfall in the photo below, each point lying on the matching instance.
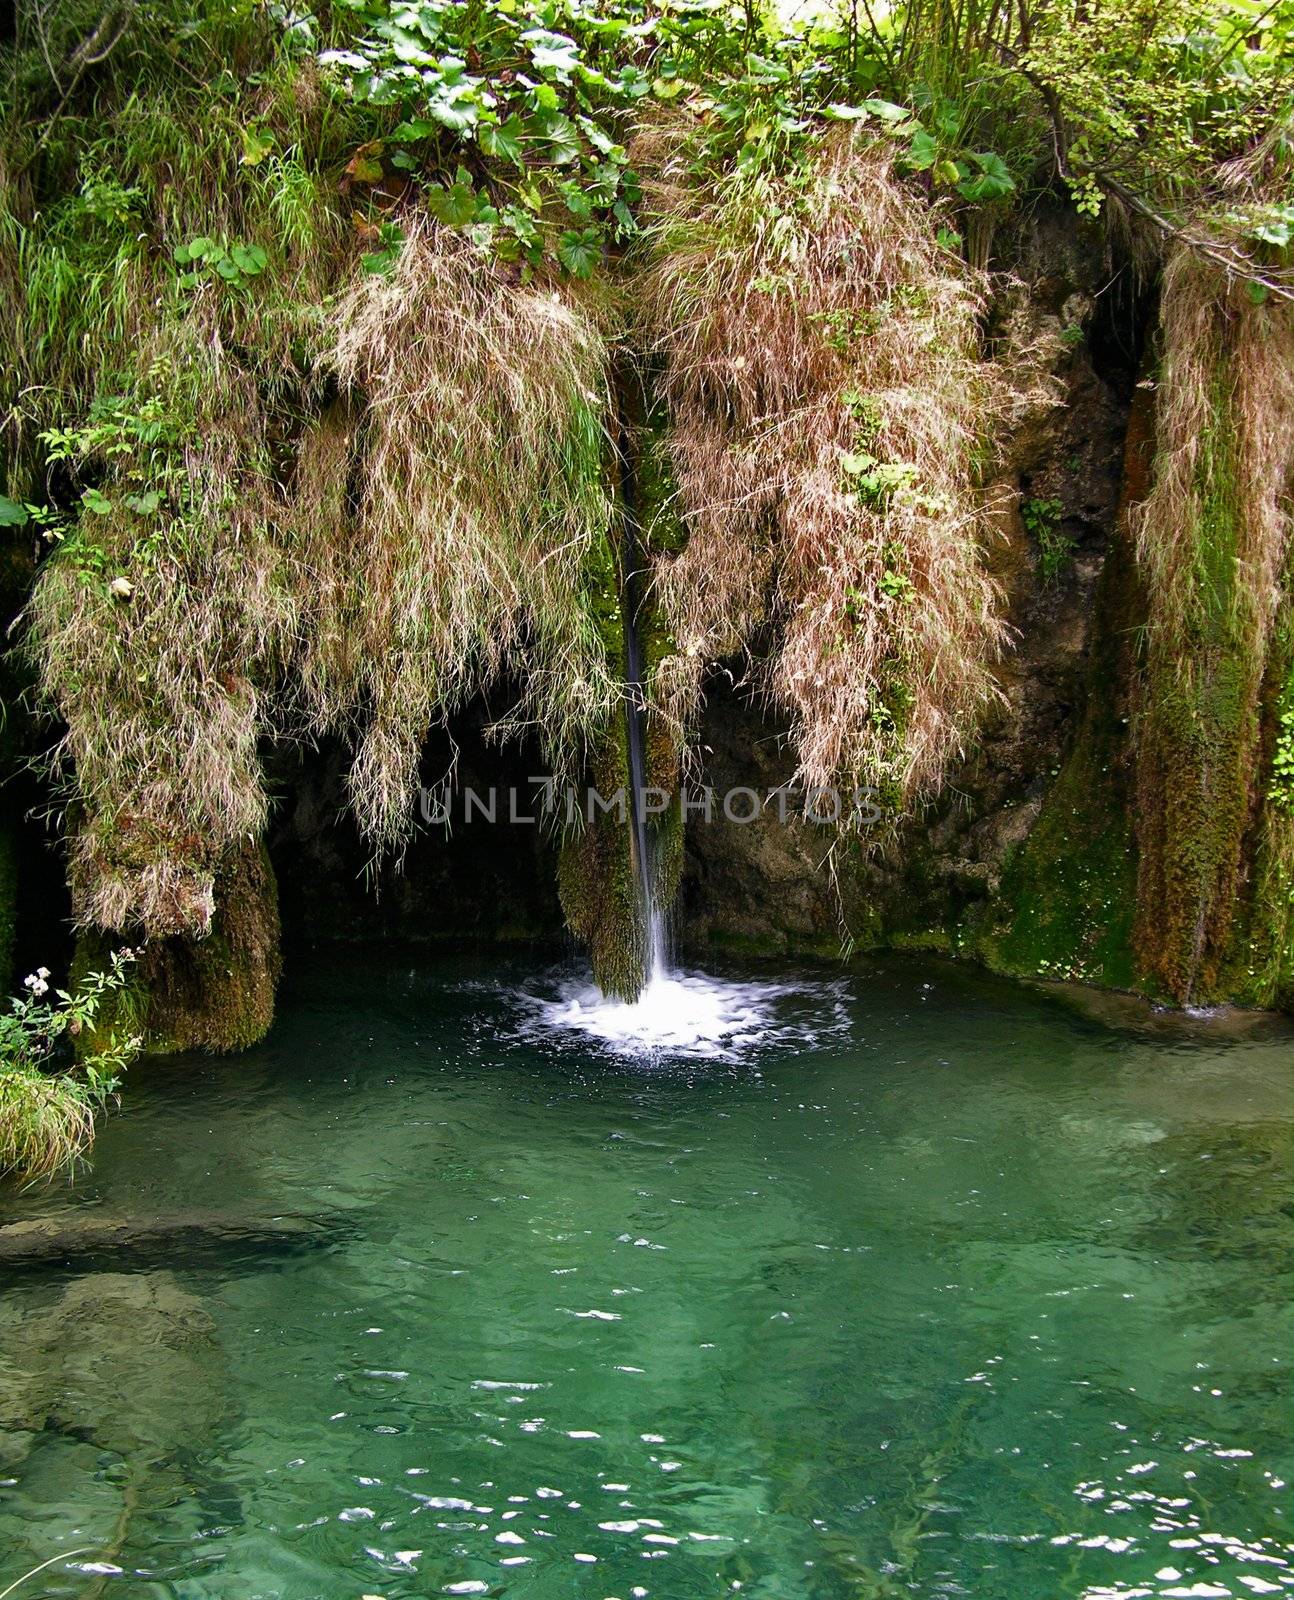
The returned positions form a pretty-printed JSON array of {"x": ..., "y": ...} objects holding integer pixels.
[{"x": 653, "y": 917}]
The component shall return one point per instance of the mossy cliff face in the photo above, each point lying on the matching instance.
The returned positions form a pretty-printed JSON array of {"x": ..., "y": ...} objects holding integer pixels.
[{"x": 1213, "y": 540}]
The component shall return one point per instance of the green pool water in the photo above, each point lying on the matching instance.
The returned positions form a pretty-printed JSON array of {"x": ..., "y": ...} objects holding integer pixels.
[{"x": 927, "y": 1285}]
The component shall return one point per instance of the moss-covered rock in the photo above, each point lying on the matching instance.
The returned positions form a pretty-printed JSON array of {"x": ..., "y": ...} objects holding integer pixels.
[
  {"x": 597, "y": 879},
  {"x": 215, "y": 993}
]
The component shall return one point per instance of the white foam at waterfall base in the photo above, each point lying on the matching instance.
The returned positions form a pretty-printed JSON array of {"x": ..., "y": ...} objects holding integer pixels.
[{"x": 692, "y": 1014}]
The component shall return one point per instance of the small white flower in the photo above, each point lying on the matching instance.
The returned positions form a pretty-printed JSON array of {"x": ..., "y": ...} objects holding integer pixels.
[
  {"x": 123, "y": 588},
  {"x": 38, "y": 986},
  {"x": 30, "y": 981},
  {"x": 42, "y": 972}
]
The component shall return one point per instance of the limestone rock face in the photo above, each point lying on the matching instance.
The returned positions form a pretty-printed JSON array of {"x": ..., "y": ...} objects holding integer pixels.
[{"x": 976, "y": 873}]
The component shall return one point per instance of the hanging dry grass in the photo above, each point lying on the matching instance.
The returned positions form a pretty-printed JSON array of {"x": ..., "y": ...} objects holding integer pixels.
[
  {"x": 471, "y": 445},
  {"x": 829, "y": 412},
  {"x": 158, "y": 635},
  {"x": 1213, "y": 542}
]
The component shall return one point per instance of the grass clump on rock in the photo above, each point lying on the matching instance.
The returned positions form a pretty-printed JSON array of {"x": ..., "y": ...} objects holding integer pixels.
[{"x": 47, "y": 1111}]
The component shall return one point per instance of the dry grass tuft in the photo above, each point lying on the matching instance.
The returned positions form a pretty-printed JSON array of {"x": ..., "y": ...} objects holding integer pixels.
[{"x": 829, "y": 415}]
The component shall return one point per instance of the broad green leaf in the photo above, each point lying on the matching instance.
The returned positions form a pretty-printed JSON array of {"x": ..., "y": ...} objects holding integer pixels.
[
  {"x": 257, "y": 144},
  {"x": 551, "y": 52},
  {"x": 416, "y": 128},
  {"x": 887, "y": 111},
  {"x": 503, "y": 139},
  {"x": 633, "y": 83},
  {"x": 250, "y": 259},
  {"x": 12, "y": 514},
  {"x": 992, "y": 182},
  {"x": 561, "y": 134},
  {"x": 454, "y": 206},
  {"x": 579, "y": 252},
  {"x": 923, "y": 152}
]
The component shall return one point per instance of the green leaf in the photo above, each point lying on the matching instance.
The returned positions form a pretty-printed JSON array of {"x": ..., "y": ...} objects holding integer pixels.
[
  {"x": 12, "y": 514},
  {"x": 416, "y": 128},
  {"x": 923, "y": 152},
  {"x": 380, "y": 262},
  {"x": 633, "y": 83},
  {"x": 257, "y": 144},
  {"x": 844, "y": 113},
  {"x": 579, "y": 253},
  {"x": 887, "y": 111},
  {"x": 576, "y": 201},
  {"x": 227, "y": 270},
  {"x": 249, "y": 258},
  {"x": 551, "y": 52},
  {"x": 993, "y": 181},
  {"x": 561, "y": 134},
  {"x": 503, "y": 139},
  {"x": 457, "y": 112},
  {"x": 92, "y": 500},
  {"x": 454, "y": 206},
  {"x": 202, "y": 247},
  {"x": 143, "y": 505},
  {"x": 762, "y": 71}
]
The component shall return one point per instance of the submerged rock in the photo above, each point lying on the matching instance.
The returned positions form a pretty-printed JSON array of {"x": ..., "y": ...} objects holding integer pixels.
[
  {"x": 89, "y": 1233},
  {"x": 127, "y": 1362}
]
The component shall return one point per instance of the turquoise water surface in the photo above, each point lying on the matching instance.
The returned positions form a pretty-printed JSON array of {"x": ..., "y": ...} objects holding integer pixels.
[{"x": 924, "y": 1284}]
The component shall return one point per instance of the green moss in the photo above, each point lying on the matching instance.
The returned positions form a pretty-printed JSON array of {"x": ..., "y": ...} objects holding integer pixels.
[
  {"x": 1258, "y": 968},
  {"x": 1066, "y": 900},
  {"x": 660, "y": 525}
]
